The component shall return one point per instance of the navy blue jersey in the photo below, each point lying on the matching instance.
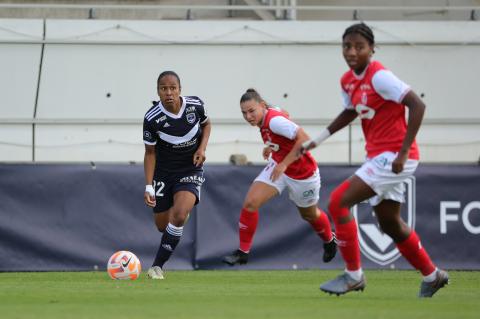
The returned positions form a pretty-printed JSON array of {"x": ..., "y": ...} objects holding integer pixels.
[{"x": 176, "y": 136}]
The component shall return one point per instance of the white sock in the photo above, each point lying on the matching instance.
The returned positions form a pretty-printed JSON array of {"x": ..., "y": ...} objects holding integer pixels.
[
  {"x": 355, "y": 274},
  {"x": 431, "y": 277},
  {"x": 174, "y": 230}
]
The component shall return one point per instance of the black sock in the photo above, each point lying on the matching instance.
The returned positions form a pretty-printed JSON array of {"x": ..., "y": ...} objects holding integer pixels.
[{"x": 169, "y": 242}]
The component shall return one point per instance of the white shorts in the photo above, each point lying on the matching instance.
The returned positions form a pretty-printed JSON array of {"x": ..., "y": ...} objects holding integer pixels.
[
  {"x": 303, "y": 192},
  {"x": 377, "y": 173}
]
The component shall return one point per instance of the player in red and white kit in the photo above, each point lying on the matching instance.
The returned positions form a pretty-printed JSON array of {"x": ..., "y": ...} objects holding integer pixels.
[
  {"x": 378, "y": 98},
  {"x": 285, "y": 170}
]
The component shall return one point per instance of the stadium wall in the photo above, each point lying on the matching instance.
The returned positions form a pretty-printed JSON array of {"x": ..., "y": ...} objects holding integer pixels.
[
  {"x": 74, "y": 216},
  {"x": 77, "y": 90}
]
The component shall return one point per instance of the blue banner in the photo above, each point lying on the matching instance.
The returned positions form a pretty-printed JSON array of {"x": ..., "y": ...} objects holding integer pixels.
[{"x": 74, "y": 216}]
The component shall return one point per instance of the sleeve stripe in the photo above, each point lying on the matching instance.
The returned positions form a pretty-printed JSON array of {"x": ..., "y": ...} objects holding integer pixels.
[
  {"x": 193, "y": 102},
  {"x": 152, "y": 115},
  {"x": 153, "y": 110}
]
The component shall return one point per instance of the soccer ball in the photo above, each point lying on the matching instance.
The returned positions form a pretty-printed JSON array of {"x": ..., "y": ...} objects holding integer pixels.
[{"x": 124, "y": 265}]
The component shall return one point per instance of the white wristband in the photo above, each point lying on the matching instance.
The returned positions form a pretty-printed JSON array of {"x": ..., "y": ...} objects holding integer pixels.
[
  {"x": 149, "y": 189},
  {"x": 322, "y": 137}
]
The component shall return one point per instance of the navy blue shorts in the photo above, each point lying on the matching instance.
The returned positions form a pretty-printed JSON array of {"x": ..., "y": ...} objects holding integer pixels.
[{"x": 167, "y": 184}]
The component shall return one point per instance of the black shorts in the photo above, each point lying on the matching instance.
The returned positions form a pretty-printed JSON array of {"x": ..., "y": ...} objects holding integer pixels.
[{"x": 167, "y": 184}]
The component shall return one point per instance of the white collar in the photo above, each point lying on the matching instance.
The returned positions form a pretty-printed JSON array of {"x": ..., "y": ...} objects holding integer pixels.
[{"x": 175, "y": 116}]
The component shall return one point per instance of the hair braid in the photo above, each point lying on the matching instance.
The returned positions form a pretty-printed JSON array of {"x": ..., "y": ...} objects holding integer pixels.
[{"x": 362, "y": 29}]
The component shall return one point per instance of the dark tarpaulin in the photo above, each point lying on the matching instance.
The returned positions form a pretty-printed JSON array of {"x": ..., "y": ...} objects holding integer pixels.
[{"x": 74, "y": 216}]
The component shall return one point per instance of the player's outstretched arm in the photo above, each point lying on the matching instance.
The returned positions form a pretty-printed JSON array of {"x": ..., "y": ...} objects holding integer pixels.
[
  {"x": 149, "y": 161},
  {"x": 342, "y": 120},
  {"x": 416, "y": 111},
  {"x": 199, "y": 156}
]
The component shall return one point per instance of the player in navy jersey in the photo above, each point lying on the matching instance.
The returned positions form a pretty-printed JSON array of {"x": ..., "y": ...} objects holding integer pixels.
[
  {"x": 299, "y": 175},
  {"x": 379, "y": 99},
  {"x": 176, "y": 130}
]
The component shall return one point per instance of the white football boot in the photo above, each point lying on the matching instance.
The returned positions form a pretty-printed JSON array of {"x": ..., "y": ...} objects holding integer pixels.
[{"x": 155, "y": 272}]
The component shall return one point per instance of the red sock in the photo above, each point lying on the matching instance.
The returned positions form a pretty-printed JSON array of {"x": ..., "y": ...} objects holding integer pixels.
[
  {"x": 413, "y": 251},
  {"x": 346, "y": 234},
  {"x": 322, "y": 226},
  {"x": 247, "y": 226}
]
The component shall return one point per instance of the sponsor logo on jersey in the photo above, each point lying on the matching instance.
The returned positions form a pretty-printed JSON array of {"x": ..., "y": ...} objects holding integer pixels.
[
  {"x": 191, "y": 117},
  {"x": 374, "y": 244},
  {"x": 190, "y": 109},
  {"x": 166, "y": 124},
  {"x": 349, "y": 87},
  {"x": 147, "y": 135},
  {"x": 365, "y": 87},
  {"x": 185, "y": 144},
  {"x": 160, "y": 119}
]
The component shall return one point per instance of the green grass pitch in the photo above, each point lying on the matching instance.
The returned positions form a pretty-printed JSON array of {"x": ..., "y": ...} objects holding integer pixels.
[{"x": 232, "y": 294}]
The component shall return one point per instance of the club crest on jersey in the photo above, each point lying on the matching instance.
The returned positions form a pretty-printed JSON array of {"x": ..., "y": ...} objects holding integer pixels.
[
  {"x": 364, "y": 98},
  {"x": 147, "y": 135},
  {"x": 191, "y": 117},
  {"x": 374, "y": 244}
]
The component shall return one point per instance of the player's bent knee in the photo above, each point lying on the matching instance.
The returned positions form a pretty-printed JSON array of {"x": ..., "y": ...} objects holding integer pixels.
[
  {"x": 161, "y": 221},
  {"x": 309, "y": 214},
  {"x": 334, "y": 201},
  {"x": 308, "y": 218},
  {"x": 179, "y": 217},
  {"x": 336, "y": 198},
  {"x": 161, "y": 226},
  {"x": 396, "y": 230},
  {"x": 251, "y": 204}
]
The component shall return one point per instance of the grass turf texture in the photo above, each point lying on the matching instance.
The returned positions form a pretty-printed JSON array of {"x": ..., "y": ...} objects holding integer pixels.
[{"x": 232, "y": 294}]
